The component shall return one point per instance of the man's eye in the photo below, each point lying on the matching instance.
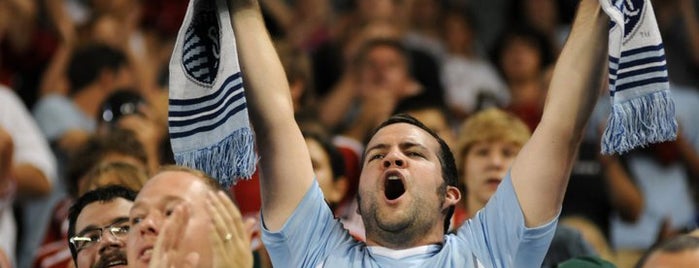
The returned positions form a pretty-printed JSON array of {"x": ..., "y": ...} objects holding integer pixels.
[
  {"x": 168, "y": 212},
  {"x": 81, "y": 242},
  {"x": 93, "y": 236},
  {"x": 414, "y": 154},
  {"x": 136, "y": 220},
  {"x": 124, "y": 227},
  {"x": 376, "y": 156},
  {"x": 121, "y": 229}
]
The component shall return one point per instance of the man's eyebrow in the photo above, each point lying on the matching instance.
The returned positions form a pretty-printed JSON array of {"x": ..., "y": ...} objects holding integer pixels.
[
  {"x": 87, "y": 228},
  {"x": 166, "y": 199},
  {"x": 136, "y": 205},
  {"x": 95, "y": 227},
  {"x": 403, "y": 146},
  {"x": 170, "y": 198},
  {"x": 376, "y": 147},
  {"x": 408, "y": 145},
  {"x": 120, "y": 220}
]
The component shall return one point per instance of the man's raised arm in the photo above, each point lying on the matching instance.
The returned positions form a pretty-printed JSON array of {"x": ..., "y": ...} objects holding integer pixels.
[
  {"x": 541, "y": 170},
  {"x": 284, "y": 160}
]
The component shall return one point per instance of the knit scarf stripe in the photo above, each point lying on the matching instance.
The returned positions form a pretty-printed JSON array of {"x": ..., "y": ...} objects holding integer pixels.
[
  {"x": 208, "y": 122},
  {"x": 642, "y": 108}
]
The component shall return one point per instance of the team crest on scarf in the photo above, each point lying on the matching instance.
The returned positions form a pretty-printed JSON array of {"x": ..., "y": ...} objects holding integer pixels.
[
  {"x": 633, "y": 14},
  {"x": 201, "y": 53}
]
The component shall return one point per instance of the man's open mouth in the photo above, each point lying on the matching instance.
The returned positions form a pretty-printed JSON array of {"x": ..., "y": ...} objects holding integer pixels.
[
  {"x": 393, "y": 187},
  {"x": 115, "y": 263},
  {"x": 115, "y": 259}
]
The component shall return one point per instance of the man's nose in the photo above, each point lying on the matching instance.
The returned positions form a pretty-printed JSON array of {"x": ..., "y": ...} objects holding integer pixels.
[
  {"x": 392, "y": 159},
  {"x": 109, "y": 241},
  {"x": 149, "y": 225}
]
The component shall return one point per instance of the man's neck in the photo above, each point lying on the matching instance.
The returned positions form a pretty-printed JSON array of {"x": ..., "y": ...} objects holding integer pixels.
[
  {"x": 403, "y": 253},
  {"x": 404, "y": 241}
]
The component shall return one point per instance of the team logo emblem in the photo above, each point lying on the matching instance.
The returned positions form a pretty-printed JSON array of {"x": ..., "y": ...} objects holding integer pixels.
[
  {"x": 201, "y": 48},
  {"x": 633, "y": 13}
]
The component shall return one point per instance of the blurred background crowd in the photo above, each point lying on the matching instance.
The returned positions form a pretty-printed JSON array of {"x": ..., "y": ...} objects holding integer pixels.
[{"x": 83, "y": 98}]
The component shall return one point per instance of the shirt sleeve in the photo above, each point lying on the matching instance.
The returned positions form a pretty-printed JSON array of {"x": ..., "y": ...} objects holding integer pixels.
[
  {"x": 499, "y": 237},
  {"x": 309, "y": 235},
  {"x": 55, "y": 116},
  {"x": 30, "y": 145}
]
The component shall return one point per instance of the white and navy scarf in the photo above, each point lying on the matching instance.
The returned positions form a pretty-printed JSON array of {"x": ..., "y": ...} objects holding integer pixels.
[
  {"x": 208, "y": 121},
  {"x": 642, "y": 108}
]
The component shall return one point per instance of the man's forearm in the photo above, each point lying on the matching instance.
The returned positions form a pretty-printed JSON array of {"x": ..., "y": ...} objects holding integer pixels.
[
  {"x": 625, "y": 197},
  {"x": 574, "y": 87},
  {"x": 286, "y": 171},
  {"x": 262, "y": 70},
  {"x": 540, "y": 172},
  {"x": 31, "y": 181}
]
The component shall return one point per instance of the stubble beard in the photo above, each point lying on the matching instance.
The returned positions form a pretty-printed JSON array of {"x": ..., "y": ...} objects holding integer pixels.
[
  {"x": 117, "y": 253},
  {"x": 397, "y": 231}
]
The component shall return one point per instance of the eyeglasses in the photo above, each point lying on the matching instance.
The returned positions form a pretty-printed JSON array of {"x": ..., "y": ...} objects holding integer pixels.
[{"x": 91, "y": 237}]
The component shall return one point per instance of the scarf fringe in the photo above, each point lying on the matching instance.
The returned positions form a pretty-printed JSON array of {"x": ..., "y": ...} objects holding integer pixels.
[
  {"x": 228, "y": 161},
  {"x": 639, "y": 122}
]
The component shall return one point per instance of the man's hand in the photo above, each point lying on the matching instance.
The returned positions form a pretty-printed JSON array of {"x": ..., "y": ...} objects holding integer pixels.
[
  {"x": 166, "y": 251},
  {"x": 230, "y": 237}
]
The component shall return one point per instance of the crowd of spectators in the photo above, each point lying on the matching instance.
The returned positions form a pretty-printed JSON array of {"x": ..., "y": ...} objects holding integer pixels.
[{"x": 83, "y": 103}]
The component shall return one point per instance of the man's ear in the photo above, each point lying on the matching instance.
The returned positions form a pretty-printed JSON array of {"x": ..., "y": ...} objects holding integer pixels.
[{"x": 451, "y": 197}]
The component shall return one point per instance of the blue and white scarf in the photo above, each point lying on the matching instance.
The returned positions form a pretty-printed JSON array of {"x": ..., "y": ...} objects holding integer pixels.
[
  {"x": 208, "y": 120},
  {"x": 642, "y": 108}
]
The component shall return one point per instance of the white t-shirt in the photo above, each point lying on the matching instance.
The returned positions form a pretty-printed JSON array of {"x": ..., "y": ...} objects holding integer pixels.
[
  {"x": 465, "y": 80},
  {"x": 30, "y": 147}
]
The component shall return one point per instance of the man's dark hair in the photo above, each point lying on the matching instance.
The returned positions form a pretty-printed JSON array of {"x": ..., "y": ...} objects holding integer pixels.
[
  {"x": 88, "y": 62},
  {"x": 117, "y": 141},
  {"x": 673, "y": 245},
  {"x": 446, "y": 158},
  {"x": 103, "y": 194}
]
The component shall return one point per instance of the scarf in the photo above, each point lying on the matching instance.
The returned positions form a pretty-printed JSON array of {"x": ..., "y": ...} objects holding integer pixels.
[
  {"x": 642, "y": 108},
  {"x": 208, "y": 121}
]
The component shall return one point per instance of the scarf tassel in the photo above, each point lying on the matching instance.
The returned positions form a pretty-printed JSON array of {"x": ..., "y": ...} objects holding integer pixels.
[
  {"x": 636, "y": 122},
  {"x": 228, "y": 161}
]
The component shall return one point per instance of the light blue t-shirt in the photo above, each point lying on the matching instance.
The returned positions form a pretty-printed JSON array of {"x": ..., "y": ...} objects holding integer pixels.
[
  {"x": 494, "y": 237},
  {"x": 56, "y": 114}
]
